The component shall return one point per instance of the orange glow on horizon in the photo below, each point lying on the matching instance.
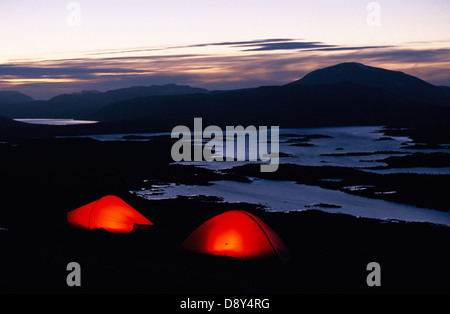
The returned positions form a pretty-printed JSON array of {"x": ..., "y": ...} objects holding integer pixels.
[{"x": 39, "y": 80}]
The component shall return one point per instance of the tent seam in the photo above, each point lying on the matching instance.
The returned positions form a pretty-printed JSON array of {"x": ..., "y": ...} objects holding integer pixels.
[
  {"x": 90, "y": 213},
  {"x": 262, "y": 229}
]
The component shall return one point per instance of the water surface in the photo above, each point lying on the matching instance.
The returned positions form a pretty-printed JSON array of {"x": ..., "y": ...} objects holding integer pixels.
[
  {"x": 288, "y": 196},
  {"x": 55, "y": 121}
]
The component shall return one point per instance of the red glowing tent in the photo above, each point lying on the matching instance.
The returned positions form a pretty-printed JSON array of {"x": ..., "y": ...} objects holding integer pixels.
[
  {"x": 236, "y": 234},
  {"x": 110, "y": 213}
]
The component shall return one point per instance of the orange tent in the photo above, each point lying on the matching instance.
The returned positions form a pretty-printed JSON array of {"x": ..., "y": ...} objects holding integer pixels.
[
  {"x": 237, "y": 234},
  {"x": 110, "y": 213}
]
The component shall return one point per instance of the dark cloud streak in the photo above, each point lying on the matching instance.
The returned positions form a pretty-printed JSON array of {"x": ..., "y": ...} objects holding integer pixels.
[
  {"x": 39, "y": 72},
  {"x": 287, "y": 46}
]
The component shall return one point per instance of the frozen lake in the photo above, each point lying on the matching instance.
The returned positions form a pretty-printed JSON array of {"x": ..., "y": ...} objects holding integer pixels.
[
  {"x": 355, "y": 146},
  {"x": 289, "y": 196}
]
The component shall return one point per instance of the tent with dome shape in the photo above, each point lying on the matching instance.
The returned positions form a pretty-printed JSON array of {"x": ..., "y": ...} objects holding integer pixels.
[
  {"x": 110, "y": 213},
  {"x": 237, "y": 234}
]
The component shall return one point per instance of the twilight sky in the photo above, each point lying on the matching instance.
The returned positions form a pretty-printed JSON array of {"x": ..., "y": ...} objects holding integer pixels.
[{"x": 49, "y": 47}]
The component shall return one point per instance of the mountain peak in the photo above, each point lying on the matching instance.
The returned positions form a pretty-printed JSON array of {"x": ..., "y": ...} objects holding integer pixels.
[
  {"x": 84, "y": 92},
  {"x": 354, "y": 64},
  {"x": 397, "y": 82},
  {"x": 13, "y": 97},
  {"x": 357, "y": 66}
]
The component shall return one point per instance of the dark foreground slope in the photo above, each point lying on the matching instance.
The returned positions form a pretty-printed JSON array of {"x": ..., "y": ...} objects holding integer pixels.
[{"x": 44, "y": 179}]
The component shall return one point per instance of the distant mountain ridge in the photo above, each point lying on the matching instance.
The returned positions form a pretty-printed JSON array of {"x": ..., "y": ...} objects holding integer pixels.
[
  {"x": 83, "y": 104},
  {"x": 397, "y": 82},
  {"x": 347, "y": 93},
  {"x": 344, "y": 94},
  {"x": 13, "y": 97},
  {"x": 285, "y": 106}
]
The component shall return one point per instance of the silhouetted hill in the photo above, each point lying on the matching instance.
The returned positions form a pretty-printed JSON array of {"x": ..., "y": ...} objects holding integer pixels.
[
  {"x": 293, "y": 105},
  {"x": 399, "y": 83},
  {"x": 326, "y": 97},
  {"x": 446, "y": 90},
  {"x": 80, "y": 105},
  {"x": 285, "y": 106},
  {"x": 12, "y": 97},
  {"x": 8, "y": 123}
]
